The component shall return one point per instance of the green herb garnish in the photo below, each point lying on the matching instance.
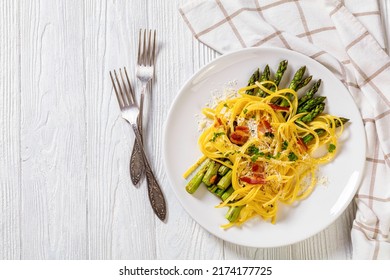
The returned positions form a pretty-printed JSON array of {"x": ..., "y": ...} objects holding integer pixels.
[
  {"x": 284, "y": 145},
  {"x": 216, "y": 135},
  {"x": 331, "y": 148},
  {"x": 292, "y": 156},
  {"x": 252, "y": 149}
]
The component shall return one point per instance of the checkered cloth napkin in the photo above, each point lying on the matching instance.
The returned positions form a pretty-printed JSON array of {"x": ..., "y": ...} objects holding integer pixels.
[{"x": 348, "y": 38}]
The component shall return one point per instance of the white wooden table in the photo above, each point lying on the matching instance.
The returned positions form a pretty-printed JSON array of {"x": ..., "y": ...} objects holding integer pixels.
[{"x": 65, "y": 191}]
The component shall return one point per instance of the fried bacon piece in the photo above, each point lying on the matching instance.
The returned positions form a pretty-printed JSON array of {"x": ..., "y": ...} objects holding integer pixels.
[
  {"x": 256, "y": 176},
  {"x": 279, "y": 108},
  {"x": 240, "y": 135},
  {"x": 302, "y": 145},
  {"x": 264, "y": 126},
  {"x": 253, "y": 180}
]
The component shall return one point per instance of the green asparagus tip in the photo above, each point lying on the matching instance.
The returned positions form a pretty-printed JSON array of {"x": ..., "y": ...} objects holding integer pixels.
[{"x": 304, "y": 82}]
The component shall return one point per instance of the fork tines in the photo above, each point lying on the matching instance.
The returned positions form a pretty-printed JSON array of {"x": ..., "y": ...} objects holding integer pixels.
[
  {"x": 146, "y": 47},
  {"x": 124, "y": 93}
]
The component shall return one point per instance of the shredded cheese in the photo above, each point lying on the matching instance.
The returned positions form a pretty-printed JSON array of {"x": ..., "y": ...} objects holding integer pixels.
[{"x": 273, "y": 144}]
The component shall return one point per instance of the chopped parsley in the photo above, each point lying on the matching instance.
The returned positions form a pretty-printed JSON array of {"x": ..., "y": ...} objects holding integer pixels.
[
  {"x": 231, "y": 153},
  {"x": 284, "y": 145},
  {"x": 255, "y": 153},
  {"x": 331, "y": 148},
  {"x": 292, "y": 156},
  {"x": 269, "y": 134},
  {"x": 252, "y": 149},
  {"x": 216, "y": 135},
  {"x": 256, "y": 156},
  {"x": 245, "y": 111}
]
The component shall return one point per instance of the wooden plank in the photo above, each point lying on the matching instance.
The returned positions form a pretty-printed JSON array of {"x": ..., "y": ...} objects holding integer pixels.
[
  {"x": 10, "y": 246},
  {"x": 53, "y": 131},
  {"x": 120, "y": 220}
]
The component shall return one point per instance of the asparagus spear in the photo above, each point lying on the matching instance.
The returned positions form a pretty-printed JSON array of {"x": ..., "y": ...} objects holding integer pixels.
[
  {"x": 294, "y": 84},
  {"x": 233, "y": 213},
  {"x": 278, "y": 76},
  {"x": 304, "y": 82},
  {"x": 279, "y": 73},
  {"x": 264, "y": 77},
  {"x": 343, "y": 121},
  {"x": 311, "y": 104},
  {"x": 194, "y": 183},
  {"x": 255, "y": 77},
  {"x": 306, "y": 139},
  {"x": 309, "y": 94},
  {"x": 224, "y": 169},
  {"x": 227, "y": 193},
  {"x": 211, "y": 173},
  {"x": 226, "y": 180},
  {"x": 215, "y": 190},
  {"x": 219, "y": 192},
  {"x": 313, "y": 113},
  {"x": 266, "y": 73},
  {"x": 297, "y": 78},
  {"x": 223, "y": 193}
]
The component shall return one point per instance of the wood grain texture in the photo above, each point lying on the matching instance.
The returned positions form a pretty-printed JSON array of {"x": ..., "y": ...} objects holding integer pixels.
[
  {"x": 121, "y": 224},
  {"x": 10, "y": 246},
  {"x": 53, "y": 202},
  {"x": 65, "y": 190}
]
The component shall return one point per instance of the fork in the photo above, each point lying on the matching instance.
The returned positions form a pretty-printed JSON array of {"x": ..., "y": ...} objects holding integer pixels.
[
  {"x": 145, "y": 72},
  {"x": 130, "y": 113}
]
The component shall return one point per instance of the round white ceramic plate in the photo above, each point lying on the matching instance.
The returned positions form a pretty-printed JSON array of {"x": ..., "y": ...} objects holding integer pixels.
[{"x": 294, "y": 224}]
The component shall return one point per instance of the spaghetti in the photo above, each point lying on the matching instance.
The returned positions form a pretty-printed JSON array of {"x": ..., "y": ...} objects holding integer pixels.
[{"x": 269, "y": 148}]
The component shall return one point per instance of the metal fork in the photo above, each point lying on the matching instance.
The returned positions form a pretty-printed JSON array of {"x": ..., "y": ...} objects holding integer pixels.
[
  {"x": 145, "y": 72},
  {"x": 130, "y": 113}
]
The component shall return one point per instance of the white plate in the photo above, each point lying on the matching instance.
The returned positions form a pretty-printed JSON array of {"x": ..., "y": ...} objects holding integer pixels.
[{"x": 294, "y": 224}]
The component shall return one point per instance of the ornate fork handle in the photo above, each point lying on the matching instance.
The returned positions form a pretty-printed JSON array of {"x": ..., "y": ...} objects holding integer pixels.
[
  {"x": 156, "y": 196},
  {"x": 136, "y": 164},
  {"x": 136, "y": 160}
]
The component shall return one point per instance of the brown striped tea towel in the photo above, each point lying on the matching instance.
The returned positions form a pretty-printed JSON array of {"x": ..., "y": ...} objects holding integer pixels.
[{"x": 345, "y": 36}]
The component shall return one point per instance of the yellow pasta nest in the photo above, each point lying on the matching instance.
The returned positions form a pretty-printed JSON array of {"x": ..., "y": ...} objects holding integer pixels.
[{"x": 265, "y": 147}]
